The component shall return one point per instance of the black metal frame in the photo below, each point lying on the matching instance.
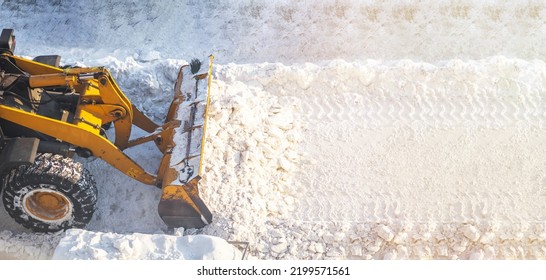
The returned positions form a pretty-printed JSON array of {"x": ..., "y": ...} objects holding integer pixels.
[
  {"x": 17, "y": 151},
  {"x": 5, "y": 37}
]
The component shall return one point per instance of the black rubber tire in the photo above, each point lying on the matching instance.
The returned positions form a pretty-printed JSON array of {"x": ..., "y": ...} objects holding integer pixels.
[{"x": 51, "y": 173}]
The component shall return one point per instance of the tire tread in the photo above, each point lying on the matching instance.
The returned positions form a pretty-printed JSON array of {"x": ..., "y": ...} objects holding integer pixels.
[{"x": 68, "y": 177}]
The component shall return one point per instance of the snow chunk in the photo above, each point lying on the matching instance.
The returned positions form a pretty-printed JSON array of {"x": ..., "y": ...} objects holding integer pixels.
[
  {"x": 279, "y": 248},
  {"x": 283, "y": 120},
  {"x": 471, "y": 232},
  {"x": 384, "y": 232}
]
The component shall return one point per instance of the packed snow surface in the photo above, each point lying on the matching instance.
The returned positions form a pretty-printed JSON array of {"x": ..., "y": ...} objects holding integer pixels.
[
  {"x": 280, "y": 31},
  {"x": 337, "y": 129}
]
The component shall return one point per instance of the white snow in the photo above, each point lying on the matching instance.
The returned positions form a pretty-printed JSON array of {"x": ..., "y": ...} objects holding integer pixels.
[
  {"x": 86, "y": 245},
  {"x": 337, "y": 129}
]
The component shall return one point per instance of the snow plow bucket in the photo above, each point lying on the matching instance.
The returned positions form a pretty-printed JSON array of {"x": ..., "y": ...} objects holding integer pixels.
[{"x": 183, "y": 146}]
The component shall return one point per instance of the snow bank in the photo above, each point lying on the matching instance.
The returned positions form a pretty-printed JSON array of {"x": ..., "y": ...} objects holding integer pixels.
[{"x": 78, "y": 244}]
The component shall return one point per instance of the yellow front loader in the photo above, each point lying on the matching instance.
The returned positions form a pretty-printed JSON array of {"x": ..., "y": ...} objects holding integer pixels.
[{"x": 48, "y": 114}]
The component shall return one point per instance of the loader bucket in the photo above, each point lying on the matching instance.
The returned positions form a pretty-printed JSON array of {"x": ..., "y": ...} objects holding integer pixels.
[{"x": 183, "y": 146}]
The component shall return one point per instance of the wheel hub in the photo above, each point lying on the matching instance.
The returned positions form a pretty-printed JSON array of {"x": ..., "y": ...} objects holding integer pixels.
[{"x": 47, "y": 205}]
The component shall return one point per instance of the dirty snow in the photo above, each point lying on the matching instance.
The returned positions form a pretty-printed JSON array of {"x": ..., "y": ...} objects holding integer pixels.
[{"x": 337, "y": 129}]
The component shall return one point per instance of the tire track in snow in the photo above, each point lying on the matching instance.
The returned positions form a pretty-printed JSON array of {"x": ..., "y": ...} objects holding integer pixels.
[
  {"x": 437, "y": 108},
  {"x": 453, "y": 174},
  {"x": 396, "y": 159}
]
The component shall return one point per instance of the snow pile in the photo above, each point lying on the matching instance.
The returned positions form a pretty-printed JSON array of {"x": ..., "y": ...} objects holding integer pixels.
[
  {"x": 78, "y": 244},
  {"x": 251, "y": 156}
]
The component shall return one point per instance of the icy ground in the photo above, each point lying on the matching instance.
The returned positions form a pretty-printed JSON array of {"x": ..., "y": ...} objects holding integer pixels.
[{"x": 337, "y": 130}]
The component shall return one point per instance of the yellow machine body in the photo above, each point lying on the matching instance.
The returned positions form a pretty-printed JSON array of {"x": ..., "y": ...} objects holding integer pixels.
[{"x": 181, "y": 138}]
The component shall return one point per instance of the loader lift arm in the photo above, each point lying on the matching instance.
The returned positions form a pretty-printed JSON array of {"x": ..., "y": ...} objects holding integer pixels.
[{"x": 101, "y": 101}]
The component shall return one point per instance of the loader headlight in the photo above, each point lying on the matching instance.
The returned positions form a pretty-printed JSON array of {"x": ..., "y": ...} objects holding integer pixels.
[{"x": 7, "y": 40}]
